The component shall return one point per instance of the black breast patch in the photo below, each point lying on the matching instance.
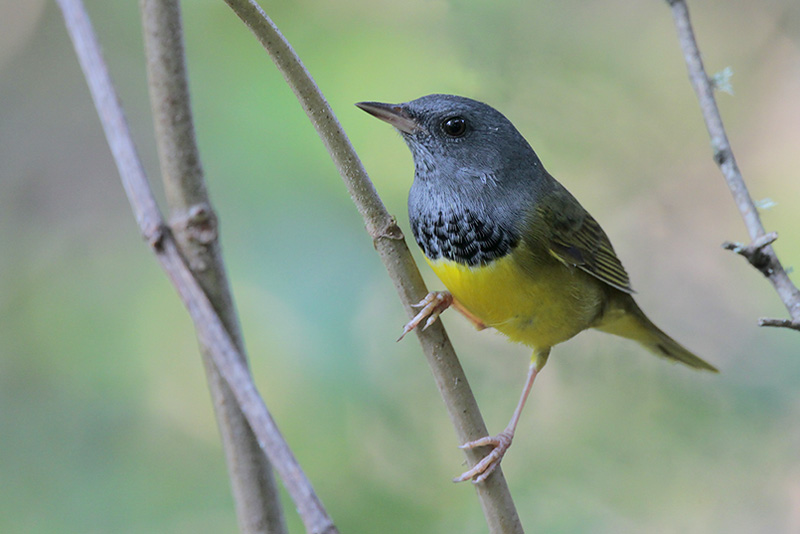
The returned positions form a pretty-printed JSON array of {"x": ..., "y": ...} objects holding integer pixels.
[{"x": 461, "y": 237}]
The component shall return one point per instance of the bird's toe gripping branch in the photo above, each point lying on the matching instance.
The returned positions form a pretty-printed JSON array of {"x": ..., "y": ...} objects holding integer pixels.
[
  {"x": 432, "y": 306},
  {"x": 480, "y": 471}
]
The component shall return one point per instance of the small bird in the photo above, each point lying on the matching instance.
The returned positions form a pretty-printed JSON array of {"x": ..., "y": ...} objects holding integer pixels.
[{"x": 516, "y": 251}]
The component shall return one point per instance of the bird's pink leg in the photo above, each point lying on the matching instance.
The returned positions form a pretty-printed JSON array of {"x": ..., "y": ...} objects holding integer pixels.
[{"x": 502, "y": 441}]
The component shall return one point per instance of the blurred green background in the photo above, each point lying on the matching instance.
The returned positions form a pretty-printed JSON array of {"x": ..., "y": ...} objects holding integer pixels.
[{"x": 105, "y": 421}]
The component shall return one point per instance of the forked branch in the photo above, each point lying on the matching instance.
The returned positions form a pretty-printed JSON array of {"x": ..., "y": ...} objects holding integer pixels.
[{"x": 759, "y": 252}]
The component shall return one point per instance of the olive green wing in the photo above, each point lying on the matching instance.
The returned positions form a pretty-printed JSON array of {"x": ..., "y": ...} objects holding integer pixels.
[{"x": 574, "y": 238}]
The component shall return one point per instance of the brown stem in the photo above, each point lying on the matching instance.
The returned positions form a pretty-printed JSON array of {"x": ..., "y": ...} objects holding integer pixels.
[
  {"x": 194, "y": 225},
  {"x": 493, "y": 493}
]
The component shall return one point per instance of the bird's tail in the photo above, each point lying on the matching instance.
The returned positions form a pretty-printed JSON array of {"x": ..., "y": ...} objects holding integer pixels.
[{"x": 633, "y": 324}]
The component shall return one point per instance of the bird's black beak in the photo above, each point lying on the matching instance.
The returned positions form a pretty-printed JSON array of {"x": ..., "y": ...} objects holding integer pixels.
[{"x": 394, "y": 114}]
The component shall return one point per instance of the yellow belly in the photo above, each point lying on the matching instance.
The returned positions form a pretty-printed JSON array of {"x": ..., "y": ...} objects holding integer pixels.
[{"x": 539, "y": 307}]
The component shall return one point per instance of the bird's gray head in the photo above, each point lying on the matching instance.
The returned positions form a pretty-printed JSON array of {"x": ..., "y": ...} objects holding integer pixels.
[
  {"x": 476, "y": 176},
  {"x": 459, "y": 141}
]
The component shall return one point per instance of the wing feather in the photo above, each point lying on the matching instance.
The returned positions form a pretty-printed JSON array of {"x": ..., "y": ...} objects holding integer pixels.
[{"x": 576, "y": 239}]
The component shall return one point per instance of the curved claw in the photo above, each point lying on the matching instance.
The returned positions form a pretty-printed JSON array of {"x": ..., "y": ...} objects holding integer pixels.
[
  {"x": 432, "y": 306},
  {"x": 481, "y": 471}
]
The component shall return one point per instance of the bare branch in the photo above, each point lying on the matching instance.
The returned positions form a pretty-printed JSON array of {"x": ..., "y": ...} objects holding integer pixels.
[
  {"x": 496, "y": 501},
  {"x": 759, "y": 252},
  {"x": 194, "y": 225},
  {"x": 784, "y": 323},
  {"x": 754, "y": 252},
  {"x": 211, "y": 330}
]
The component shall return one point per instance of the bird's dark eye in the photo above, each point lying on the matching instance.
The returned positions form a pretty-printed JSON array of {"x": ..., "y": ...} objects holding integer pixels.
[{"x": 454, "y": 126}]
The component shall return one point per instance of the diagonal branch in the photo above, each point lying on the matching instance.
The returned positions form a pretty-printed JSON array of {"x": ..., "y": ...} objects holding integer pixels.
[
  {"x": 760, "y": 252},
  {"x": 210, "y": 328},
  {"x": 194, "y": 225},
  {"x": 495, "y": 498}
]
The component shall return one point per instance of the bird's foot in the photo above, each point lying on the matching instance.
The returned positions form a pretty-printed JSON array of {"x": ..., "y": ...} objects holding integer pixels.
[
  {"x": 432, "y": 306},
  {"x": 480, "y": 471}
]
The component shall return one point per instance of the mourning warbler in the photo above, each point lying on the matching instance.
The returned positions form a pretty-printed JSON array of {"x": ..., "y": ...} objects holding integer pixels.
[{"x": 516, "y": 251}]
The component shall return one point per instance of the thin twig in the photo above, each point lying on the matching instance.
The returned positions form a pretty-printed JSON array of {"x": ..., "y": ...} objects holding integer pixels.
[
  {"x": 783, "y": 323},
  {"x": 496, "y": 501},
  {"x": 194, "y": 225},
  {"x": 754, "y": 252},
  {"x": 761, "y": 255},
  {"x": 211, "y": 330}
]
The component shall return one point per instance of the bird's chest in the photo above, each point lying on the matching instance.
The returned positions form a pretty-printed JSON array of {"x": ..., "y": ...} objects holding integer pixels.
[{"x": 461, "y": 236}]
